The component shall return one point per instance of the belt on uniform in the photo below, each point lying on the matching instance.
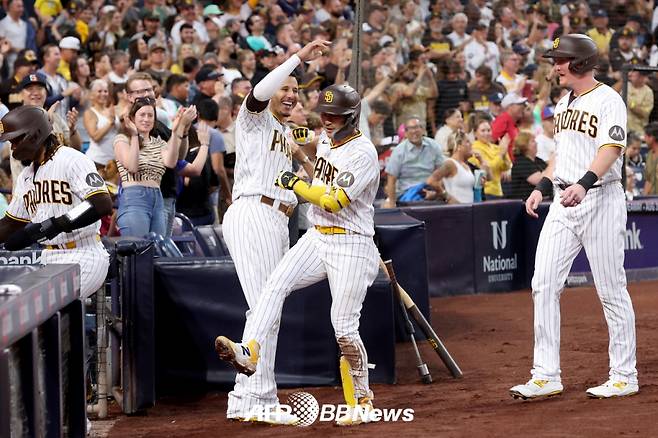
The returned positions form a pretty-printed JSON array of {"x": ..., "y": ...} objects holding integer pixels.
[
  {"x": 68, "y": 245},
  {"x": 333, "y": 230},
  {"x": 283, "y": 208},
  {"x": 565, "y": 186}
]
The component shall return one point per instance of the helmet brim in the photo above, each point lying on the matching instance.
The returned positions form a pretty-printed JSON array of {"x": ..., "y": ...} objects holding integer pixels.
[
  {"x": 330, "y": 109},
  {"x": 552, "y": 53},
  {"x": 9, "y": 136}
]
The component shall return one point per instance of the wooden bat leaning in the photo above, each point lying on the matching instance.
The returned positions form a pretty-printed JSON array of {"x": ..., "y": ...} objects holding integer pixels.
[{"x": 427, "y": 329}]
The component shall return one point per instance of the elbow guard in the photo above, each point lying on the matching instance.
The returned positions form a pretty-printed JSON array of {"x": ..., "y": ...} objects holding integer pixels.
[
  {"x": 332, "y": 200},
  {"x": 335, "y": 200}
]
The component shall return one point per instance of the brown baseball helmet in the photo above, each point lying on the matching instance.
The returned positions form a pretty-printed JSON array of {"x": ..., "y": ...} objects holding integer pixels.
[
  {"x": 580, "y": 49},
  {"x": 341, "y": 100},
  {"x": 26, "y": 128}
]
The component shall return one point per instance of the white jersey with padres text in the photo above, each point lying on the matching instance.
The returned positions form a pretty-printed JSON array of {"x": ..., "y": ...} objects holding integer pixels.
[
  {"x": 353, "y": 166},
  {"x": 261, "y": 153},
  {"x": 584, "y": 124},
  {"x": 60, "y": 184}
]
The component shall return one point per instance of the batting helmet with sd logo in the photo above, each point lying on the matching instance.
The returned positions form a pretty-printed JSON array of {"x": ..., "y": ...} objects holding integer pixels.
[
  {"x": 341, "y": 100},
  {"x": 580, "y": 49},
  {"x": 27, "y": 128}
]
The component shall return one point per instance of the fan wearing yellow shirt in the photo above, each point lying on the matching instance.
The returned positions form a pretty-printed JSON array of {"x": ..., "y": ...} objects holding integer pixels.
[
  {"x": 495, "y": 156},
  {"x": 601, "y": 33},
  {"x": 47, "y": 9}
]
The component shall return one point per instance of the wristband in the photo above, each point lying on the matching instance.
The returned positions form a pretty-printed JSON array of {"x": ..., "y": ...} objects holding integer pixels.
[
  {"x": 588, "y": 180},
  {"x": 544, "y": 186}
]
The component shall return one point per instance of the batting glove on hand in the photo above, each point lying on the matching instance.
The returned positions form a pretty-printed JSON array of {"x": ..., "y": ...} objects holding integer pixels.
[
  {"x": 302, "y": 136},
  {"x": 286, "y": 180}
]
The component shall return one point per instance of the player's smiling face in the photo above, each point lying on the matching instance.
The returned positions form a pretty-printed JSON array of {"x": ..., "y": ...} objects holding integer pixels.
[
  {"x": 285, "y": 99},
  {"x": 561, "y": 70},
  {"x": 332, "y": 122}
]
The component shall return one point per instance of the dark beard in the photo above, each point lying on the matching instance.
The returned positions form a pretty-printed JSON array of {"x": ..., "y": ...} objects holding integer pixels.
[{"x": 26, "y": 163}]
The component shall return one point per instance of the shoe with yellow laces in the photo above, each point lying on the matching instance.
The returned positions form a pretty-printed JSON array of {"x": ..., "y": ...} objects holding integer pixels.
[
  {"x": 536, "y": 388},
  {"x": 613, "y": 388}
]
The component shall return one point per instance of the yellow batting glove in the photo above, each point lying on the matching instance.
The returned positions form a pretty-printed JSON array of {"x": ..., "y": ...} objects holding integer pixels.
[
  {"x": 286, "y": 180},
  {"x": 302, "y": 136}
]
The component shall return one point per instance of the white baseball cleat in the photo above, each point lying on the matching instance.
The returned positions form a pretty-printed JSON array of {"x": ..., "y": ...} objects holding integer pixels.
[
  {"x": 358, "y": 414},
  {"x": 536, "y": 388},
  {"x": 613, "y": 389},
  {"x": 243, "y": 357}
]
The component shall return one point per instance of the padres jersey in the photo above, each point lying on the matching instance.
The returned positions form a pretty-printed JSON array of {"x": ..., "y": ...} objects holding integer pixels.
[
  {"x": 261, "y": 153},
  {"x": 353, "y": 166},
  {"x": 60, "y": 184},
  {"x": 583, "y": 124}
]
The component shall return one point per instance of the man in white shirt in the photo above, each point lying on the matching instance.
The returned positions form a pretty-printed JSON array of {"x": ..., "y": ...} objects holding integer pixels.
[
  {"x": 14, "y": 29},
  {"x": 188, "y": 13},
  {"x": 479, "y": 51},
  {"x": 458, "y": 36},
  {"x": 545, "y": 140}
]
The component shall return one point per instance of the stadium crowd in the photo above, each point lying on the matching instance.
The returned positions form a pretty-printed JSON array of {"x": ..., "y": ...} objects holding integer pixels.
[{"x": 455, "y": 94}]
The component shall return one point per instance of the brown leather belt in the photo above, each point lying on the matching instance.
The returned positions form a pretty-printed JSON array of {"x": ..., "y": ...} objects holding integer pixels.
[{"x": 283, "y": 208}]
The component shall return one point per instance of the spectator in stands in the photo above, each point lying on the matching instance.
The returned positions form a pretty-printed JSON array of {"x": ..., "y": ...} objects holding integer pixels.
[
  {"x": 453, "y": 122},
  {"x": 480, "y": 52},
  {"x": 142, "y": 159},
  {"x": 101, "y": 65},
  {"x": 545, "y": 140},
  {"x": 415, "y": 88},
  {"x": 59, "y": 90},
  {"x": 10, "y": 92},
  {"x": 109, "y": 32},
  {"x": 157, "y": 60},
  {"x": 189, "y": 17},
  {"x": 458, "y": 36},
  {"x": 206, "y": 81},
  {"x": 69, "y": 47},
  {"x": 493, "y": 156},
  {"x": 376, "y": 17},
  {"x": 634, "y": 160},
  {"x": 625, "y": 53},
  {"x": 453, "y": 92},
  {"x": 601, "y": 33},
  {"x": 19, "y": 33},
  {"x": 509, "y": 75},
  {"x": 194, "y": 200},
  {"x": 139, "y": 53},
  {"x": 412, "y": 161},
  {"x": 507, "y": 122},
  {"x": 372, "y": 119},
  {"x": 454, "y": 181},
  {"x": 528, "y": 168},
  {"x": 120, "y": 62},
  {"x": 101, "y": 124},
  {"x": 639, "y": 101},
  {"x": 177, "y": 89},
  {"x": 481, "y": 88}
]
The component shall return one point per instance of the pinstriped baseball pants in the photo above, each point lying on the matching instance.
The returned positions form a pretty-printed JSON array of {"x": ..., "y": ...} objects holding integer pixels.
[
  {"x": 257, "y": 238},
  {"x": 350, "y": 263},
  {"x": 92, "y": 258},
  {"x": 598, "y": 225}
]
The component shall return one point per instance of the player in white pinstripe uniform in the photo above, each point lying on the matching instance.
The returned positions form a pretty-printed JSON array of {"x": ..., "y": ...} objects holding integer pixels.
[
  {"x": 588, "y": 211},
  {"x": 340, "y": 246},
  {"x": 58, "y": 200},
  {"x": 255, "y": 226}
]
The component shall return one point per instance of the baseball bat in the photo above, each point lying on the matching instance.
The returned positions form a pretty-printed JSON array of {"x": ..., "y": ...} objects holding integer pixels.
[
  {"x": 427, "y": 329},
  {"x": 423, "y": 371}
]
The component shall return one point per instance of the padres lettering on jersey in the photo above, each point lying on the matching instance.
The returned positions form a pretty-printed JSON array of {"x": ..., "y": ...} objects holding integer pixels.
[
  {"x": 60, "y": 184},
  {"x": 576, "y": 120},
  {"x": 261, "y": 153},
  {"x": 583, "y": 124},
  {"x": 47, "y": 192},
  {"x": 353, "y": 167}
]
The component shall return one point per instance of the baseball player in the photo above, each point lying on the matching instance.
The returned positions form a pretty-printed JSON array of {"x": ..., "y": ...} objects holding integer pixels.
[
  {"x": 255, "y": 226},
  {"x": 588, "y": 211},
  {"x": 58, "y": 199},
  {"x": 340, "y": 246}
]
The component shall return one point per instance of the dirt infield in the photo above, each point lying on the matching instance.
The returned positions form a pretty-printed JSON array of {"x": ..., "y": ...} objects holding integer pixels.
[{"x": 491, "y": 338}]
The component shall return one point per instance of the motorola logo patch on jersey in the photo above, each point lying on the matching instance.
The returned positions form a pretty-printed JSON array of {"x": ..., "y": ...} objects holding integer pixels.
[
  {"x": 345, "y": 179},
  {"x": 617, "y": 133},
  {"x": 94, "y": 180}
]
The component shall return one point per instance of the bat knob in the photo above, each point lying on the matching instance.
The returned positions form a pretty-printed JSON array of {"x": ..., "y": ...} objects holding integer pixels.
[{"x": 424, "y": 372}]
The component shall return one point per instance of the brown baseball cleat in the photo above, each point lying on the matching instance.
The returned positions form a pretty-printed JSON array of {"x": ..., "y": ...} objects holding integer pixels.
[{"x": 243, "y": 357}]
